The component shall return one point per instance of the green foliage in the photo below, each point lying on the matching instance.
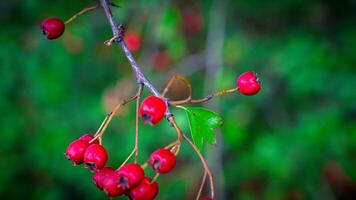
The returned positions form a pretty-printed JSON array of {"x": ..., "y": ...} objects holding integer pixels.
[{"x": 202, "y": 123}]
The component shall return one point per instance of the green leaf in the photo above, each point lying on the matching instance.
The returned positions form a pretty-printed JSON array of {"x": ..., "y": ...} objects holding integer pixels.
[{"x": 202, "y": 123}]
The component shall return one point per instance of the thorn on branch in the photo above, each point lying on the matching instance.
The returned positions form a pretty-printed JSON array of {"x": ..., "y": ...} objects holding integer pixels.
[{"x": 116, "y": 38}]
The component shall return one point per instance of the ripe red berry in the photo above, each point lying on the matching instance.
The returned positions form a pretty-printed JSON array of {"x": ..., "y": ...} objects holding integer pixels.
[
  {"x": 75, "y": 151},
  {"x": 248, "y": 83},
  {"x": 52, "y": 28},
  {"x": 162, "y": 160},
  {"x": 145, "y": 190},
  {"x": 206, "y": 198},
  {"x": 100, "y": 175},
  {"x": 152, "y": 109},
  {"x": 111, "y": 185},
  {"x": 88, "y": 138},
  {"x": 133, "y": 41},
  {"x": 130, "y": 175},
  {"x": 95, "y": 157}
]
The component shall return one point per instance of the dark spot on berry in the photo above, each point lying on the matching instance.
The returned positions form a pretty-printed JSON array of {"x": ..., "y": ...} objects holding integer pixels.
[
  {"x": 123, "y": 183},
  {"x": 91, "y": 166},
  {"x": 156, "y": 164},
  {"x": 147, "y": 118}
]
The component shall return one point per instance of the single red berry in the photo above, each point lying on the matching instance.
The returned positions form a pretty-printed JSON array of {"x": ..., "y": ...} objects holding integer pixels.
[
  {"x": 100, "y": 175},
  {"x": 75, "y": 151},
  {"x": 193, "y": 21},
  {"x": 130, "y": 175},
  {"x": 152, "y": 109},
  {"x": 88, "y": 138},
  {"x": 52, "y": 28},
  {"x": 162, "y": 160},
  {"x": 161, "y": 60},
  {"x": 111, "y": 185},
  {"x": 146, "y": 190},
  {"x": 248, "y": 83},
  {"x": 206, "y": 198},
  {"x": 95, "y": 157},
  {"x": 133, "y": 41}
]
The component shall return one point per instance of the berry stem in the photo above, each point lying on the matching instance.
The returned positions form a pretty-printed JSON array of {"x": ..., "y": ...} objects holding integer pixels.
[
  {"x": 154, "y": 179},
  {"x": 207, "y": 98},
  {"x": 136, "y": 123},
  {"x": 205, "y": 165},
  {"x": 184, "y": 80},
  {"x": 82, "y": 12},
  {"x": 110, "y": 115},
  {"x": 201, "y": 185}
]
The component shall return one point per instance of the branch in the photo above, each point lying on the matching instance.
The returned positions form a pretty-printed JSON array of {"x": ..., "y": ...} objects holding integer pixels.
[{"x": 140, "y": 77}]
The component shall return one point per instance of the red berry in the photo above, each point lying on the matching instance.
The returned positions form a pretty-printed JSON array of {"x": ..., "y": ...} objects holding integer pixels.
[
  {"x": 162, "y": 160},
  {"x": 130, "y": 175},
  {"x": 248, "y": 83},
  {"x": 193, "y": 21},
  {"x": 152, "y": 109},
  {"x": 100, "y": 175},
  {"x": 133, "y": 41},
  {"x": 111, "y": 185},
  {"x": 206, "y": 198},
  {"x": 145, "y": 190},
  {"x": 161, "y": 60},
  {"x": 95, "y": 157},
  {"x": 75, "y": 151},
  {"x": 88, "y": 138},
  {"x": 52, "y": 28}
]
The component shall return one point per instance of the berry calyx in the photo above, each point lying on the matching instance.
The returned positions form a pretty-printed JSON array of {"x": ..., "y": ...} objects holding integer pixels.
[
  {"x": 75, "y": 151},
  {"x": 88, "y": 138},
  {"x": 248, "y": 83},
  {"x": 146, "y": 190},
  {"x": 111, "y": 185},
  {"x": 100, "y": 175},
  {"x": 95, "y": 157},
  {"x": 133, "y": 41},
  {"x": 130, "y": 175},
  {"x": 162, "y": 160},
  {"x": 152, "y": 109},
  {"x": 52, "y": 28}
]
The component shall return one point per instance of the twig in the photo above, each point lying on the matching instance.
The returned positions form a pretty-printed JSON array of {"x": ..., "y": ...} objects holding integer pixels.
[
  {"x": 181, "y": 78},
  {"x": 82, "y": 12},
  {"x": 201, "y": 185},
  {"x": 205, "y": 165},
  {"x": 207, "y": 98},
  {"x": 110, "y": 115}
]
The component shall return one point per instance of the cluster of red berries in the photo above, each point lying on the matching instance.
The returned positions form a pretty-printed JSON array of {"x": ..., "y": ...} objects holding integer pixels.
[{"x": 127, "y": 180}]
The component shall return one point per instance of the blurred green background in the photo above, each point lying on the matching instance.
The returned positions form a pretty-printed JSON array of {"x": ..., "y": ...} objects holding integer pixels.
[{"x": 296, "y": 139}]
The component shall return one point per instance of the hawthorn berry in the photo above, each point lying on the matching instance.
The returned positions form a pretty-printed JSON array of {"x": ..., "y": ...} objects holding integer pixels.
[
  {"x": 111, "y": 185},
  {"x": 95, "y": 157},
  {"x": 75, "y": 151},
  {"x": 130, "y": 175},
  {"x": 133, "y": 41},
  {"x": 152, "y": 109},
  {"x": 100, "y": 175},
  {"x": 146, "y": 190},
  {"x": 248, "y": 83},
  {"x": 88, "y": 138},
  {"x": 162, "y": 160},
  {"x": 52, "y": 28}
]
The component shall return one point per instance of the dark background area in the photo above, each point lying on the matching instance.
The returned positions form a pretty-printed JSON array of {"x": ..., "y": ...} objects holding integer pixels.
[{"x": 295, "y": 140}]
